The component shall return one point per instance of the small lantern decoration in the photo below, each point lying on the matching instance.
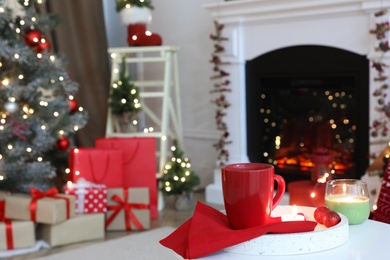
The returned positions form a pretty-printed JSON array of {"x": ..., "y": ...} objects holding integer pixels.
[{"x": 322, "y": 160}]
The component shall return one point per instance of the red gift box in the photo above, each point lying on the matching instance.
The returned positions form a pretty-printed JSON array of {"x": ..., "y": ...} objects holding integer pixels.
[
  {"x": 139, "y": 164},
  {"x": 103, "y": 166},
  {"x": 90, "y": 197}
]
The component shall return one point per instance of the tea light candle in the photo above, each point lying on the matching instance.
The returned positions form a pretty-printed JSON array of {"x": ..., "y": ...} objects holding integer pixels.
[{"x": 295, "y": 216}]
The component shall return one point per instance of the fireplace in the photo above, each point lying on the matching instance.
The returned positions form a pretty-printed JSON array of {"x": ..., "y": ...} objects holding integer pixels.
[
  {"x": 304, "y": 99},
  {"x": 258, "y": 29}
]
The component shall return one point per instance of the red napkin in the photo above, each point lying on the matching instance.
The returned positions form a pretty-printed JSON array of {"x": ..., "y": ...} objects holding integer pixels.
[{"x": 208, "y": 231}]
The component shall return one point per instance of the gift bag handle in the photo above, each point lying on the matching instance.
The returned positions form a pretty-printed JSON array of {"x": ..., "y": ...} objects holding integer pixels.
[
  {"x": 95, "y": 179},
  {"x": 130, "y": 158}
]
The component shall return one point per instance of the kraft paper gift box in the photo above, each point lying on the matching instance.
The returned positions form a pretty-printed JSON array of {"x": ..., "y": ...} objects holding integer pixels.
[
  {"x": 84, "y": 227},
  {"x": 90, "y": 197},
  {"x": 49, "y": 210},
  {"x": 139, "y": 164},
  {"x": 100, "y": 166},
  {"x": 128, "y": 209},
  {"x": 16, "y": 234}
]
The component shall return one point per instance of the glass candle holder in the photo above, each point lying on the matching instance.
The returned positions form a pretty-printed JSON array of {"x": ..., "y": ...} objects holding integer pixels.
[{"x": 348, "y": 197}]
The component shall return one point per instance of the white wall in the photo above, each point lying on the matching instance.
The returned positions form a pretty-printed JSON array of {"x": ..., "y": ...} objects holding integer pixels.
[{"x": 186, "y": 25}]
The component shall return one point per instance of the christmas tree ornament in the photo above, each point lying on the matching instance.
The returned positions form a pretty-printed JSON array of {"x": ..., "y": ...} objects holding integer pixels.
[
  {"x": 11, "y": 107},
  {"x": 32, "y": 37},
  {"x": 73, "y": 106},
  {"x": 47, "y": 94},
  {"x": 136, "y": 17},
  {"x": 15, "y": 7},
  {"x": 43, "y": 45},
  {"x": 20, "y": 129},
  {"x": 62, "y": 143}
]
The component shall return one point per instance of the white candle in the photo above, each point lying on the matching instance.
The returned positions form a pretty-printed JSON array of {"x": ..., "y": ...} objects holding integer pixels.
[{"x": 295, "y": 215}]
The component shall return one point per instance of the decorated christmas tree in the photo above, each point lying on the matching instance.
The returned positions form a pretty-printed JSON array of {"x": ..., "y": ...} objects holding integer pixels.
[
  {"x": 39, "y": 114},
  {"x": 178, "y": 178},
  {"x": 125, "y": 102}
]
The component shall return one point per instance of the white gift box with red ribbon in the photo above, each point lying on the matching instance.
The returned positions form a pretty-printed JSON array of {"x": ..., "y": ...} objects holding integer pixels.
[{"x": 90, "y": 197}]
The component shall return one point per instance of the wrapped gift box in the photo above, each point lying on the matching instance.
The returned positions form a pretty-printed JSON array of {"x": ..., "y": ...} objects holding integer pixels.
[
  {"x": 90, "y": 197},
  {"x": 139, "y": 163},
  {"x": 16, "y": 234},
  {"x": 128, "y": 209},
  {"x": 78, "y": 229},
  {"x": 49, "y": 210},
  {"x": 103, "y": 166}
]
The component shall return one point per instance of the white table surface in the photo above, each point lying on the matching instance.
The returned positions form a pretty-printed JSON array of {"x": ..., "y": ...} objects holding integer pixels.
[{"x": 369, "y": 240}]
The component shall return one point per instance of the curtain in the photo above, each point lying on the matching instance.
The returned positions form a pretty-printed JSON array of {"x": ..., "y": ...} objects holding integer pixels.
[{"x": 81, "y": 37}]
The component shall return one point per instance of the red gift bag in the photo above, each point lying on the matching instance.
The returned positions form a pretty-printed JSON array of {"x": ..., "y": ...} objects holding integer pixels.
[
  {"x": 100, "y": 166},
  {"x": 139, "y": 164}
]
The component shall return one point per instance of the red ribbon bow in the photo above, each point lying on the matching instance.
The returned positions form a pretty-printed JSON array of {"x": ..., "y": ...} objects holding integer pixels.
[
  {"x": 2, "y": 210},
  {"x": 8, "y": 226},
  {"x": 38, "y": 194},
  {"x": 127, "y": 207}
]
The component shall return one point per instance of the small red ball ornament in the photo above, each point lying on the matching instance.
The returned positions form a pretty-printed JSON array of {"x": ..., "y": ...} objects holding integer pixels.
[
  {"x": 73, "y": 106},
  {"x": 62, "y": 143},
  {"x": 32, "y": 37},
  {"x": 43, "y": 45}
]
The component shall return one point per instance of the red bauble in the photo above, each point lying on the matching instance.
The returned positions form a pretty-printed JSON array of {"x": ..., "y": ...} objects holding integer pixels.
[
  {"x": 32, "y": 37},
  {"x": 62, "y": 143},
  {"x": 42, "y": 46},
  {"x": 73, "y": 106}
]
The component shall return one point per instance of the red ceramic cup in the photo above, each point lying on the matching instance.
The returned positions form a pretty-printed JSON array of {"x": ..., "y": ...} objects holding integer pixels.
[{"x": 248, "y": 193}]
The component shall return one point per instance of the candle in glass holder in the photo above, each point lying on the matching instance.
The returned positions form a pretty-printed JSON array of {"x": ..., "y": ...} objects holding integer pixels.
[{"x": 350, "y": 198}]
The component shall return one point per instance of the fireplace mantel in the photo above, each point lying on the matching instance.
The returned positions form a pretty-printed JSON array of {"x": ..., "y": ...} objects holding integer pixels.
[
  {"x": 273, "y": 10},
  {"x": 256, "y": 27}
]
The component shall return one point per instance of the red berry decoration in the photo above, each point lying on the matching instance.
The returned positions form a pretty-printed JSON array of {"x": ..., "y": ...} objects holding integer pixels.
[
  {"x": 332, "y": 218},
  {"x": 319, "y": 214},
  {"x": 32, "y": 37},
  {"x": 326, "y": 217},
  {"x": 62, "y": 143},
  {"x": 73, "y": 106}
]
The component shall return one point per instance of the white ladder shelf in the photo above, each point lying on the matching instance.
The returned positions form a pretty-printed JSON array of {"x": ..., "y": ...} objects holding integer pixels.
[{"x": 169, "y": 121}]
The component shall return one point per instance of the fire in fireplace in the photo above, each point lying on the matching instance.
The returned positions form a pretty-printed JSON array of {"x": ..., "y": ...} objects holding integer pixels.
[{"x": 306, "y": 106}]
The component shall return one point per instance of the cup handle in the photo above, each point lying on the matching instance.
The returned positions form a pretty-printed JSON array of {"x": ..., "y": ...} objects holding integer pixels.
[{"x": 281, "y": 189}]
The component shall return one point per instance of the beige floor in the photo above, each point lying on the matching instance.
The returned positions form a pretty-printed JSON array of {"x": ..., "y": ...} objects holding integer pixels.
[{"x": 169, "y": 216}]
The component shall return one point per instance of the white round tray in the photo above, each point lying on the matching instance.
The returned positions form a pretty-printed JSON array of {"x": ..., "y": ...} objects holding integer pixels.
[{"x": 322, "y": 238}]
